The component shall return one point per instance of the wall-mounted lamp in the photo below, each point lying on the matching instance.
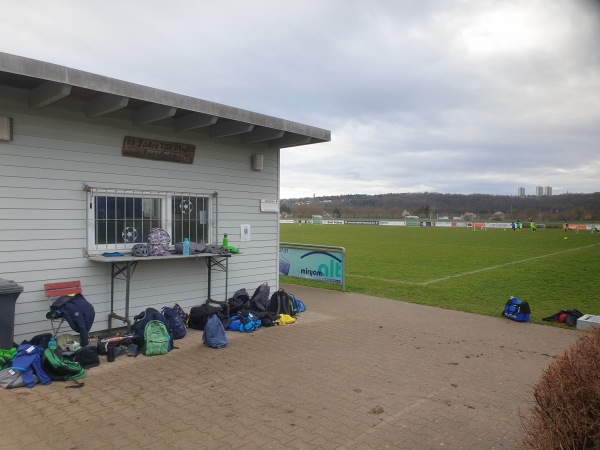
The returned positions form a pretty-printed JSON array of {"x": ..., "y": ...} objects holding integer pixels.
[
  {"x": 257, "y": 161},
  {"x": 5, "y": 128}
]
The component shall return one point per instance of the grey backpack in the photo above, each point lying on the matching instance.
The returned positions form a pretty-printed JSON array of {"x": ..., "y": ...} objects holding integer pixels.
[
  {"x": 214, "y": 333},
  {"x": 260, "y": 299}
]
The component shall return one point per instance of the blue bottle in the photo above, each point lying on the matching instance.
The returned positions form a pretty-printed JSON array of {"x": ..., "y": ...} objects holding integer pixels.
[{"x": 186, "y": 247}]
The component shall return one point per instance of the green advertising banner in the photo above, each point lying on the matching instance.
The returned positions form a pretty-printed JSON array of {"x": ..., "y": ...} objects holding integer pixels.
[{"x": 313, "y": 262}]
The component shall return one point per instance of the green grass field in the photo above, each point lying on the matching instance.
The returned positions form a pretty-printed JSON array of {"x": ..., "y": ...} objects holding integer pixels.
[{"x": 474, "y": 271}]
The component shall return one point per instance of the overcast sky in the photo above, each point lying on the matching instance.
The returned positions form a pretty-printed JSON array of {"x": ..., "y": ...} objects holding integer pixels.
[{"x": 449, "y": 96}]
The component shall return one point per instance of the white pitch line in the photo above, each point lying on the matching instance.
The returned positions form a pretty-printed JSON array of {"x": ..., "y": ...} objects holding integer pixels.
[
  {"x": 413, "y": 283},
  {"x": 437, "y": 280}
]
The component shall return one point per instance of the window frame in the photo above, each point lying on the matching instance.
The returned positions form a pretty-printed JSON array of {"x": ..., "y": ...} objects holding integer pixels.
[{"x": 166, "y": 219}]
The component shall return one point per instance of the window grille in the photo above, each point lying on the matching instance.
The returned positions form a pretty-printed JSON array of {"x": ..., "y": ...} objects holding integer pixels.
[{"x": 120, "y": 218}]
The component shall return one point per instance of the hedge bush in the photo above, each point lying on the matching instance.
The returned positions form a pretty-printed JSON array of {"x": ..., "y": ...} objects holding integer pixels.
[{"x": 566, "y": 408}]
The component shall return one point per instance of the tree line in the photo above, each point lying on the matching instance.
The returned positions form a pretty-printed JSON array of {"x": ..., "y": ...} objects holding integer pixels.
[{"x": 428, "y": 205}]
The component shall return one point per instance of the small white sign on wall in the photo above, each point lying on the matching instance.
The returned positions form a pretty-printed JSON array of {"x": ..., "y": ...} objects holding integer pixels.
[
  {"x": 245, "y": 232},
  {"x": 269, "y": 206}
]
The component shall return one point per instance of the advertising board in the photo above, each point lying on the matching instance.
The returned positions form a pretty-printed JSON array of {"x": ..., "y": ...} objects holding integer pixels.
[{"x": 313, "y": 262}]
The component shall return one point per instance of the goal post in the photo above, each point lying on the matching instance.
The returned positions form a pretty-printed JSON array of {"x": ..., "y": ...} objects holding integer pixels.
[{"x": 478, "y": 226}]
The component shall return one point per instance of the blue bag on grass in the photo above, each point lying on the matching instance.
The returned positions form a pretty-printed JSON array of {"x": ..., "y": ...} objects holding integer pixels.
[{"x": 517, "y": 310}]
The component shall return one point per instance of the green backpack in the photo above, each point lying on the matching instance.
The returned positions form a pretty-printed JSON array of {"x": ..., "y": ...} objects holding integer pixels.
[
  {"x": 59, "y": 369},
  {"x": 156, "y": 339}
]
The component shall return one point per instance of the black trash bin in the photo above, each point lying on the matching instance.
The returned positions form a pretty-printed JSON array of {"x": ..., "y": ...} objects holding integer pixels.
[{"x": 9, "y": 292}]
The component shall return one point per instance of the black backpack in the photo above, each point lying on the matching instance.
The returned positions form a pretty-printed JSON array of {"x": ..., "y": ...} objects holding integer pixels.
[
  {"x": 280, "y": 304},
  {"x": 40, "y": 340},
  {"x": 86, "y": 356},
  {"x": 267, "y": 318},
  {"x": 239, "y": 301},
  {"x": 200, "y": 314}
]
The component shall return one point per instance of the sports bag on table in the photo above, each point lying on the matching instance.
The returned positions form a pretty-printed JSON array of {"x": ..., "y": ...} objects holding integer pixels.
[{"x": 517, "y": 310}]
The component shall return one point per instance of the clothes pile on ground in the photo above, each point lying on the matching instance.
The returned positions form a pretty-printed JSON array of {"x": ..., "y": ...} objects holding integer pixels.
[
  {"x": 567, "y": 316},
  {"x": 519, "y": 311},
  {"x": 45, "y": 359}
]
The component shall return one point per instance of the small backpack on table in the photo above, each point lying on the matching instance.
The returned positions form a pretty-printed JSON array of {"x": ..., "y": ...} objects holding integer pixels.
[{"x": 158, "y": 242}]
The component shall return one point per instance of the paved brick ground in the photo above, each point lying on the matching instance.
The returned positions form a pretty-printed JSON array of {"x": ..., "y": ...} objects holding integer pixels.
[{"x": 355, "y": 372}]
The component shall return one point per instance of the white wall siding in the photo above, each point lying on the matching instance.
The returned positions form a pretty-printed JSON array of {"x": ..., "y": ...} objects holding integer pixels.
[{"x": 43, "y": 212}]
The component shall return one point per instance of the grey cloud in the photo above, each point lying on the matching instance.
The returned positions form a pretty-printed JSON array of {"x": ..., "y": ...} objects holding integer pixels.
[{"x": 450, "y": 96}]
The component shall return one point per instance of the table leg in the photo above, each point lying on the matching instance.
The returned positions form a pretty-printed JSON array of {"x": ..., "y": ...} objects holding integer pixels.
[
  {"x": 127, "y": 271},
  {"x": 209, "y": 270}
]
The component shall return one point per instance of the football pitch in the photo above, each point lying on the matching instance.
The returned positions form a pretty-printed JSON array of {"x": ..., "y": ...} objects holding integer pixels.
[{"x": 457, "y": 268}]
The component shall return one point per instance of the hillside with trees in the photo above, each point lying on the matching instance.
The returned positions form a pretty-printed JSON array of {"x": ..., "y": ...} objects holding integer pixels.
[{"x": 427, "y": 205}]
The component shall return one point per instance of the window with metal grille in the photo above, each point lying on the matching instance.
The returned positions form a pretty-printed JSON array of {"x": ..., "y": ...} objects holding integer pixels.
[{"x": 120, "y": 218}]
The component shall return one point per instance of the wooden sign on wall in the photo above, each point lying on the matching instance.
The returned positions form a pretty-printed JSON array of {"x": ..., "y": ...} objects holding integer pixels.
[{"x": 158, "y": 150}]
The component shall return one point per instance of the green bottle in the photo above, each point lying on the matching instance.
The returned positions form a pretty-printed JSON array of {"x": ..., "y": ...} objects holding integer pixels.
[{"x": 225, "y": 240}]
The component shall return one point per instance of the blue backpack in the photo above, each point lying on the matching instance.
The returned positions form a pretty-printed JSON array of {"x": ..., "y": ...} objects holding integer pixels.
[
  {"x": 214, "y": 333},
  {"x": 175, "y": 324},
  {"x": 300, "y": 306},
  {"x": 517, "y": 310}
]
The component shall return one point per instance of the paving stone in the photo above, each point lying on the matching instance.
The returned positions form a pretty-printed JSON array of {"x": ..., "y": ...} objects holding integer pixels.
[{"x": 435, "y": 379}]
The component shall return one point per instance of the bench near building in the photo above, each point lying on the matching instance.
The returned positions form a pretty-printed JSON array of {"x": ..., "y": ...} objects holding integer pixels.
[{"x": 90, "y": 164}]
